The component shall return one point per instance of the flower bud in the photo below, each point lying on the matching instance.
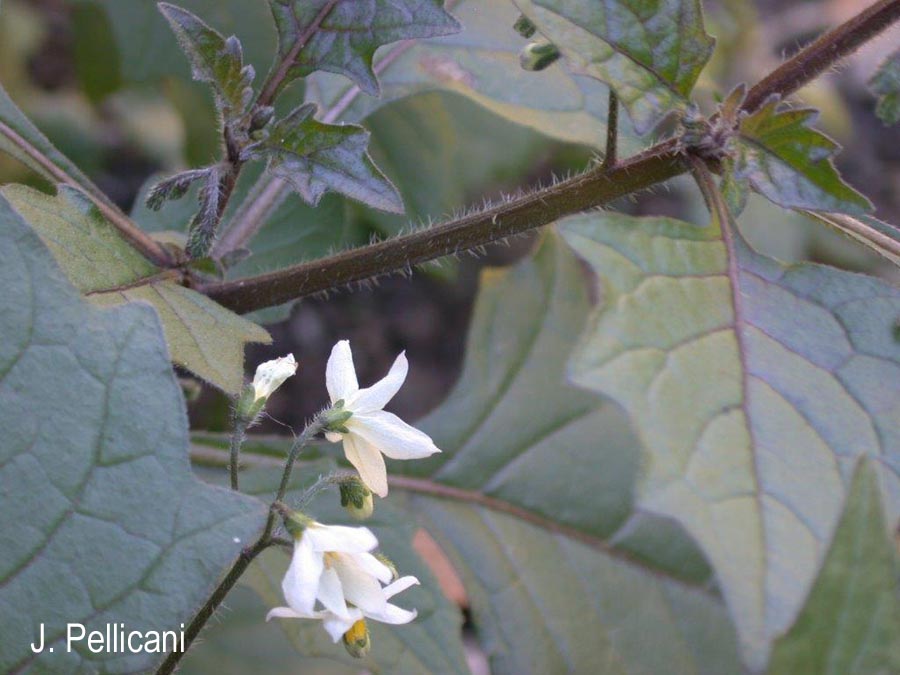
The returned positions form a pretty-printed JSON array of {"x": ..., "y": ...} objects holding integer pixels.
[
  {"x": 356, "y": 640},
  {"x": 524, "y": 27},
  {"x": 356, "y": 498},
  {"x": 538, "y": 55},
  {"x": 261, "y": 117},
  {"x": 271, "y": 374}
]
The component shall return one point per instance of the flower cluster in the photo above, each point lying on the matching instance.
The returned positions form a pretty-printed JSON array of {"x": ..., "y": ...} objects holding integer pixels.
[{"x": 334, "y": 576}]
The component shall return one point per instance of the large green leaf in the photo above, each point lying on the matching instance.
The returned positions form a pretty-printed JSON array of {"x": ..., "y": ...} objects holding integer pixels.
[
  {"x": 202, "y": 336},
  {"x": 313, "y": 157},
  {"x": 779, "y": 155},
  {"x": 482, "y": 63},
  {"x": 650, "y": 51},
  {"x": 755, "y": 387},
  {"x": 851, "y": 623},
  {"x": 350, "y": 32},
  {"x": 885, "y": 83},
  {"x": 102, "y": 521}
]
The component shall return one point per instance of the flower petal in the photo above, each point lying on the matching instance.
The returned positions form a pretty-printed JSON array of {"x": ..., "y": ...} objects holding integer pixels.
[
  {"x": 333, "y": 436},
  {"x": 331, "y": 594},
  {"x": 378, "y": 395},
  {"x": 340, "y": 375},
  {"x": 374, "y": 566},
  {"x": 360, "y": 587},
  {"x": 340, "y": 538},
  {"x": 391, "y": 435},
  {"x": 393, "y": 614},
  {"x": 369, "y": 462},
  {"x": 337, "y": 626},
  {"x": 284, "y": 613},
  {"x": 400, "y": 585},
  {"x": 301, "y": 581}
]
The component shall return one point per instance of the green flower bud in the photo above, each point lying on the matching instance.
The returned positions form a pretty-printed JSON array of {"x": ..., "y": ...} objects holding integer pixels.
[
  {"x": 538, "y": 55},
  {"x": 356, "y": 498},
  {"x": 524, "y": 26},
  {"x": 357, "y": 641},
  {"x": 248, "y": 405}
]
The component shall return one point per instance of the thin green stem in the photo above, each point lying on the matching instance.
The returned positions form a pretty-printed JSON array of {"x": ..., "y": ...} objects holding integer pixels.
[{"x": 237, "y": 440}]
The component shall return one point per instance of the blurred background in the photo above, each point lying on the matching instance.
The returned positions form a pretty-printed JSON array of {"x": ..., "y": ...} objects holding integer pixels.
[{"x": 125, "y": 123}]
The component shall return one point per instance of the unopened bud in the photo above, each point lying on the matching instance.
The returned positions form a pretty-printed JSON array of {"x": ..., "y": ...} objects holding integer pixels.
[
  {"x": 538, "y": 55},
  {"x": 524, "y": 26},
  {"x": 356, "y": 498},
  {"x": 269, "y": 376},
  {"x": 357, "y": 641},
  {"x": 261, "y": 117}
]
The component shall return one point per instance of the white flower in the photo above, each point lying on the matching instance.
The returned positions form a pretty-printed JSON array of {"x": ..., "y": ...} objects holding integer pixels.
[
  {"x": 271, "y": 374},
  {"x": 370, "y": 430},
  {"x": 332, "y": 565}
]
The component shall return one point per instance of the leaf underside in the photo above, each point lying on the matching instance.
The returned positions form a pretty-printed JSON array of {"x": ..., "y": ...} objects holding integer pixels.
[
  {"x": 202, "y": 336},
  {"x": 103, "y": 520},
  {"x": 755, "y": 388}
]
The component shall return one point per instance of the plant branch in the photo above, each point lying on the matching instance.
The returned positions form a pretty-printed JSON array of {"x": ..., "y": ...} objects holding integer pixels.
[
  {"x": 612, "y": 131},
  {"x": 149, "y": 247},
  {"x": 591, "y": 189},
  {"x": 276, "y": 79},
  {"x": 828, "y": 49},
  {"x": 237, "y": 440}
]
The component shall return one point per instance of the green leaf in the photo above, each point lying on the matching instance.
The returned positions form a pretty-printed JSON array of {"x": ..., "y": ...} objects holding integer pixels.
[
  {"x": 202, "y": 336},
  {"x": 649, "y": 52},
  {"x": 482, "y": 64},
  {"x": 344, "y": 41},
  {"x": 313, "y": 157},
  {"x": 755, "y": 386},
  {"x": 780, "y": 156},
  {"x": 851, "y": 623},
  {"x": 432, "y": 643},
  {"x": 103, "y": 521},
  {"x": 886, "y": 85},
  {"x": 214, "y": 59}
]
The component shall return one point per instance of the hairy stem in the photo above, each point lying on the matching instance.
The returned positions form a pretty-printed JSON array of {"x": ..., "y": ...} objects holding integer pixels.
[
  {"x": 237, "y": 440},
  {"x": 819, "y": 56},
  {"x": 612, "y": 131},
  {"x": 594, "y": 188}
]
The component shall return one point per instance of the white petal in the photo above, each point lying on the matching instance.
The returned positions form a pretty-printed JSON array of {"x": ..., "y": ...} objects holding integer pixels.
[
  {"x": 333, "y": 436},
  {"x": 340, "y": 538},
  {"x": 337, "y": 626},
  {"x": 400, "y": 585},
  {"x": 393, "y": 614},
  {"x": 374, "y": 566},
  {"x": 331, "y": 594},
  {"x": 340, "y": 375},
  {"x": 301, "y": 581},
  {"x": 394, "y": 437},
  {"x": 369, "y": 462},
  {"x": 284, "y": 613},
  {"x": 360, "y": 587},
  {"x": 272, "y": 374},
  {"x": 378, "y": 395}
]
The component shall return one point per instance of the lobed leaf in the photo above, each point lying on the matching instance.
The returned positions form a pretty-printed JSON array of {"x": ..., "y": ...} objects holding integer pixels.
[
  {"x": 755, "y": 388},
  {"x": 341, "y": 36},
  {"x": 313, "y": 157},
  {"x": 780, "y": 156},
  {"x": 214, "y": 59},
  {"x": 204, "y": 337},
  {"x": 885, "y": 83},
  {"x": 103, "y": 520},
  {"x": 649, "y": 52}
]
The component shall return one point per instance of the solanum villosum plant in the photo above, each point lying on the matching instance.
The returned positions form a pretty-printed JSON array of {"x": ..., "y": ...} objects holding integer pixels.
[{"x": 666, "y": 453}]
